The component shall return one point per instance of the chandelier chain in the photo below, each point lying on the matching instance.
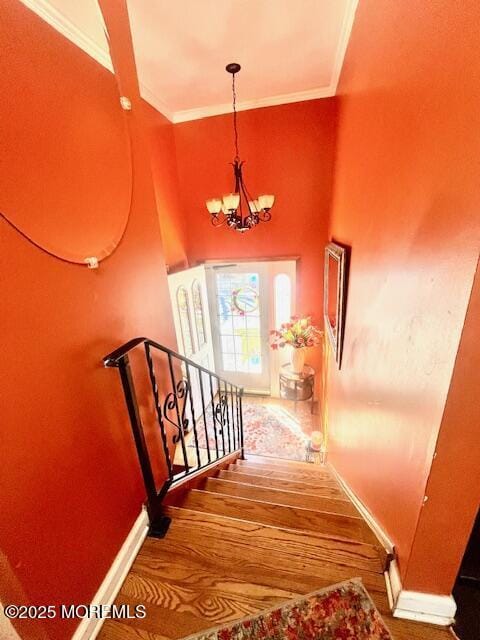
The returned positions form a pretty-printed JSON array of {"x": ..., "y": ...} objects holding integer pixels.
[
  {"x": 234, "y": 94},
  {"x": 238, "y": 210}
]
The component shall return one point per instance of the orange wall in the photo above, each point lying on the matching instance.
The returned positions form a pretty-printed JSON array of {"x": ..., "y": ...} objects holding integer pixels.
[
  {"x": 406, "y": 200},
  {"x": 453, "y": 487},
  {"x": 288, "y": 150},
  {"x": 69, "y": 478},
  {"x": 167, "y": 190}
]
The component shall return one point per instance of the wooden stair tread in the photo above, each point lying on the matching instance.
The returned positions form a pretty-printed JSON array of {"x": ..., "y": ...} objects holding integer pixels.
[
  {"x": 166, "y": 624},
  {"x": 289, "y": 464},
  {"x": 325, "y": 490},
  {"x": 180, "y": 560},
  {"x": 215, "y": 592},
  {"x": 231, "y": 551},
  {"x": 302, "y": 468},
  {"x": 307, "y": 470},
  {"x": 184, "y": 595},
  {"x": 339, "y": 526},
  {"x": 126, "y": 629},
  {"x": 305, "y": 547},
  {"x": 274, "y": 472},
  {"x": 279, "y": 496}
]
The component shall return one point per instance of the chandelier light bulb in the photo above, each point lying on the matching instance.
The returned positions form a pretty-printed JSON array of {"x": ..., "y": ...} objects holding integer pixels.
[
  {"x": 229, "y": 209},
  {"x": 231, "y": 201},
  {"x": 214, "y": 206},
  {"x": 266, "y": 202}
]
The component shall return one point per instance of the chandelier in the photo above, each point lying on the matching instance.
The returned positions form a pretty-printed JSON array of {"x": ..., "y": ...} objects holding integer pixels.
[{"x": 238, "y": 209}]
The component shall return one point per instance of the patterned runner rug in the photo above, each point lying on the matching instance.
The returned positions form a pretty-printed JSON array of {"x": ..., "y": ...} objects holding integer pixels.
[
  {"x": 341, "y": 612},
  {"x": 269, "y": 430}
]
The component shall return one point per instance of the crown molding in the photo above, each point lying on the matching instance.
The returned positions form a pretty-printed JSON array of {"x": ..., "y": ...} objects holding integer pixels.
[
  {"x": 258, "y": 103},
  {"x": 343, "y": 41},
  {"x": 63, "y": 25},
  {"x": 157, "y": 103}
]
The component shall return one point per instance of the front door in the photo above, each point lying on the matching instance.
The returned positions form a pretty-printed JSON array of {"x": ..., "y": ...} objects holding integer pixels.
[
  {"x": 239, "y": 312},
  {"x": 188, "y": 294}
]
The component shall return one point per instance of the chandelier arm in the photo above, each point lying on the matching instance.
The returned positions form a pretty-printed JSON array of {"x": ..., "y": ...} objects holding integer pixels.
[
  {"x": 247, "y": 193},
  {"x": 251, "y": 218},
  {"x": 264, "y": 216},
  {"x": 217, "y": 221}
]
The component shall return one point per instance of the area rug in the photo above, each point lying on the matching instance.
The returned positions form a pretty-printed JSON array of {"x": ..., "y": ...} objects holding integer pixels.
[
  {"x": 341, "y": 612},
  {"x": 269, "y": 430}
]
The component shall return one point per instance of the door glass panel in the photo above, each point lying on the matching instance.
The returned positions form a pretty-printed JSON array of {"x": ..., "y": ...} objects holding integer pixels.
[
  {"x": 238, "y": 307},
  {"x": 198, "y": 313},
  {"x": 283, "y": 299},
  {"x": 185, "y": 323}
]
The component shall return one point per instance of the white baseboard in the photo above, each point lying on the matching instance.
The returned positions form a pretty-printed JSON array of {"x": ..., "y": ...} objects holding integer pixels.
[
  {"x": 394, "y": 583},
  {"x": 410, "y": 605},
  {"x": 414, "y": 605},
  {"x": 425, "y": 607},
  {"x": 89, "y": 628},
  {"x": 365, "y": 513}
]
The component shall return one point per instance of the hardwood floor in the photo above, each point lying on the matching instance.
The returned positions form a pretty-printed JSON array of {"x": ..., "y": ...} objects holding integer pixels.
[{"x": 257, "y": 534}]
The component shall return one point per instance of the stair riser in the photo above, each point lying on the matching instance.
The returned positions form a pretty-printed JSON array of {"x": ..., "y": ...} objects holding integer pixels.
[
  {"x": 310, "y": 479},
  {"x": 195, "y": 527},
  {"x": 310, "y": 470},
  {"x": 232, "y": 565},
  {"x": 326, "y": 491},
  {"x": 228, "y": 487},
  {"x": 279, "y": 516}
]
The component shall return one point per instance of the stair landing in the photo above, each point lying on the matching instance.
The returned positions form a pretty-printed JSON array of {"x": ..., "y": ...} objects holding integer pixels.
[{"x": 251, "y": 536}]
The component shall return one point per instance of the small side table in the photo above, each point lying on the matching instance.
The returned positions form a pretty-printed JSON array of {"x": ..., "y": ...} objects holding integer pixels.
[{"x": 297, "y": 386}]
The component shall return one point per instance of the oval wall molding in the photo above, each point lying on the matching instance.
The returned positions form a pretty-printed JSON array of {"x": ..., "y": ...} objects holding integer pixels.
[{"x": 66, "y": 165}]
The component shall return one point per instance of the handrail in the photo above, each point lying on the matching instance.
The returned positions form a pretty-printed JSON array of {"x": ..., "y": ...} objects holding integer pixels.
[
  {"x": 184, "y": 405},
  {"x": 113, "y": 358}
]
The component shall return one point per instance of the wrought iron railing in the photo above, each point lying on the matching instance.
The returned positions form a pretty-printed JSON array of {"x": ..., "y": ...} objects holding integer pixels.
[{"x": 197, "y": 414}]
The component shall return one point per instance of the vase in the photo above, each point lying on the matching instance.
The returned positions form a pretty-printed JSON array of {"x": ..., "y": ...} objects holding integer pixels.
[{"x": 297, "y": 360}]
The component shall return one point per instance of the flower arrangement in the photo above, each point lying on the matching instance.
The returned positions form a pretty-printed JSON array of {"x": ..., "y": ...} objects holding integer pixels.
[{"x": 298, "y": 333}]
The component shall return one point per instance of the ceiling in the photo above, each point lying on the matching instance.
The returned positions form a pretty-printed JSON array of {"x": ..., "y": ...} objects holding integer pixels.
[{"x": 290, "y": 50}]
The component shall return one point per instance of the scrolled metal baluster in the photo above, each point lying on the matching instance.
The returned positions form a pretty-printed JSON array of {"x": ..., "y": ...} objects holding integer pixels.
[
  {"x": 242, "y": 445},
  {"x": 219, "y": 415},
  {"x": 184, "y": 390},
  {"x": 213, "y": 417},
  {"x": 194, "y": 422},
  {"x": 237, "y": 407},
  {"x": 156, "y": 396},
  {"x": 173, "y": 404},
  {"x": 226, "y": 415},
  {"x": 233, "y": 418},
  {"x": 138, "y": 434},
  {"x": 204, "y": 414}
]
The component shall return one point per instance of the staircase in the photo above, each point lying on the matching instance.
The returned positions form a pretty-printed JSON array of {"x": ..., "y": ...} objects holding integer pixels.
[{"x": 256, "y": 533}]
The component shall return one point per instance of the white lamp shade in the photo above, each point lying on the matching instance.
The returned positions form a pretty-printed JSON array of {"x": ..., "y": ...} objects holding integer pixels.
[
  {"x": 214, "y": 206},
  {"x": 253, "y": 206},
  {"x": 266, "y": 202},
  {"x": 231, "y": 201}
]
